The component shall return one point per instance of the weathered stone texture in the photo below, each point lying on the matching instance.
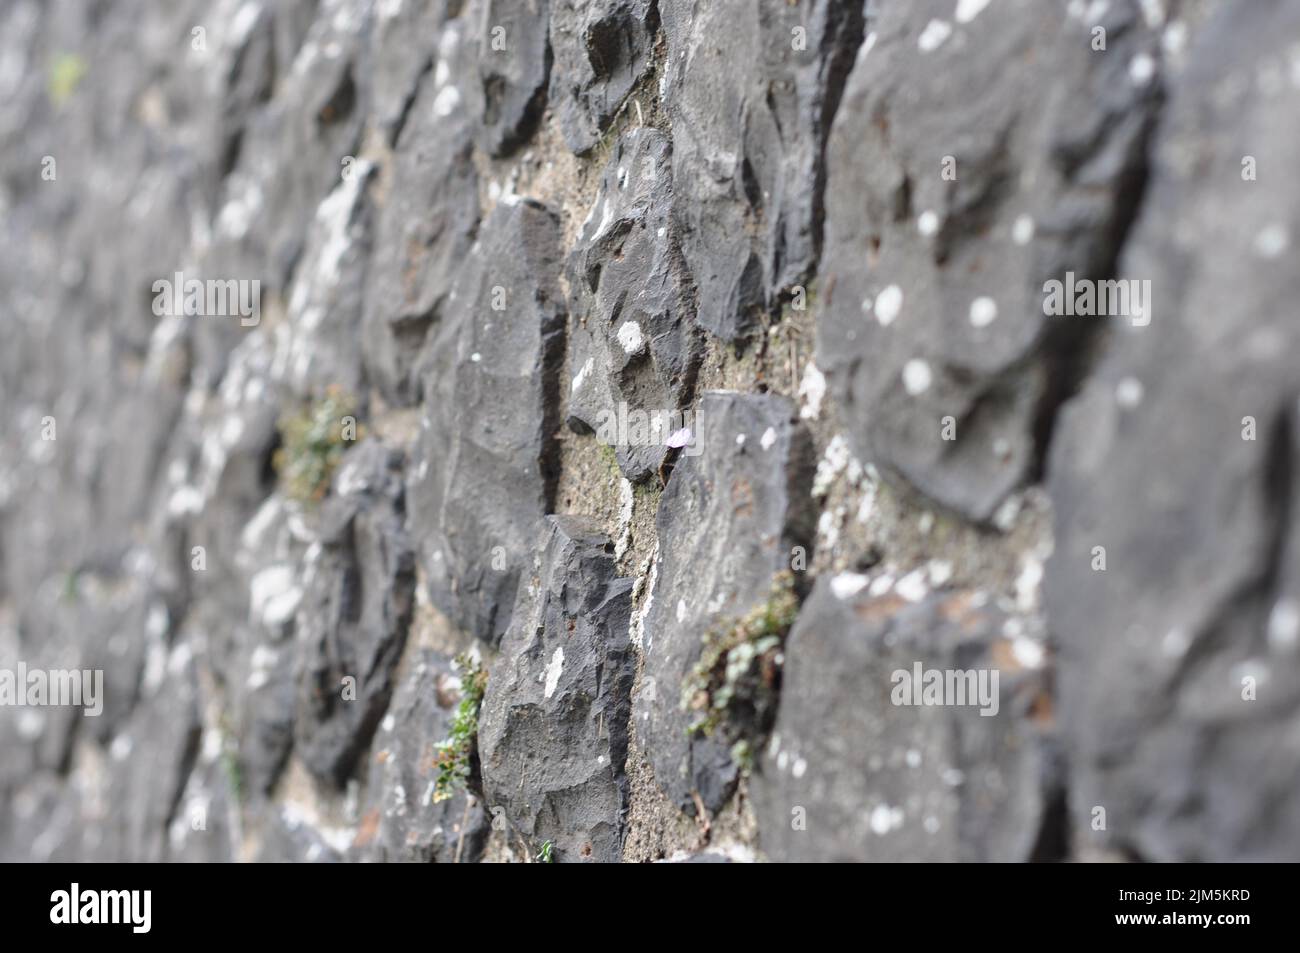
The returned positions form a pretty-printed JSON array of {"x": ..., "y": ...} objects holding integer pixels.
[
  {"x": 553, "y": 729},
  {"x": 683, "y": 368}
]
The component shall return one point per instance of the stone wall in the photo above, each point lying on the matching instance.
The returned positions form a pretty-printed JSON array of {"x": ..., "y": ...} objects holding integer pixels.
[{"x": 650, "y": 439}]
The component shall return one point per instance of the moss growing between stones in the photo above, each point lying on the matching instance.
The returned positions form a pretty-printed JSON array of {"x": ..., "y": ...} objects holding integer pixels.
[
  {"x": 732, "y": 688},
  {"x": 66, "y": 73},
  {"x": 312, "y": 443},
  {"x": 455, "y": 757}
]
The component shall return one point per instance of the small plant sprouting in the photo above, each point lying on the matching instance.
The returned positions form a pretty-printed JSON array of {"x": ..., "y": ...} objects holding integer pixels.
[
  {"x": 738, "y": 668},
  {"x": 312, "y": 443},
  {"x": 455, "y": 756},
  {"x": 547, "y": 854}
]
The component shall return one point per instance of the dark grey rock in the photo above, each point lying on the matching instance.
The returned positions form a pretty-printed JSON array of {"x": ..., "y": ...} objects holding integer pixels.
[
  {"x": 553, "y": 726},
  {"x": 358, "y": 598},
  {"x": 318, "y": 348},
  {"x": 750, "y": 91},
  {"x": 850, "y": 775},
  {"x": 149, "y": 763},
  {"x": 932, "y": 286},
  {"x": 601, "y": 49},
  {"x": 1197, "y": 526},
  {"x": 292, "y": 151},
  {"x": 487, "y": 443},
  {"x": 202, "y": 830},
  {"x": 728, "y": 522},
  {"x": 406, "y": 38},
  {"x": 634, "y": 349},
  {"x": 290, "y": 838},
  {"x": 427, "y": 223},
  {"x": 403, "y": 823},
  {"x": 514, "y": 65}
]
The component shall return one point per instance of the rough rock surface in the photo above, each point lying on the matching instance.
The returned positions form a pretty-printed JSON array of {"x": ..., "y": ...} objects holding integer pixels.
[
  {"x": 357, "y": 601},
  {"x": 634, "y": 352},
  {"x": 514, "y": 65},
  {"x": 542, "y": 338},
  {"x": 553, "y": 729},
  {"x": 749, "y": 120},
  {"x": 601, "y": 48},
  {"x": 729, "y": 521},
  {"x": 1180, "y": 673},
  {"x": 403, "y": 823},
  {"x": 428, "y": 221},
  {"x": 487, "y": 438},
  {"x": 938, "y": 783},
  {"x": 964, "y": 183}
]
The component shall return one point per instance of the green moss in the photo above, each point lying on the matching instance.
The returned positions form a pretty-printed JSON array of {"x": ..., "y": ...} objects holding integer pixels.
[
  {"x": 739, "y": 660},
  {"x": 547, "y": 854},
  {"x": 312, "y": 443},
  {"x": 71, "y": 585},
  {"x": 230, "y": 762},
  {"x": 455, "y": 757},
  {"x": 66, "y": 73},
  {"x": 610, "y": 456}
]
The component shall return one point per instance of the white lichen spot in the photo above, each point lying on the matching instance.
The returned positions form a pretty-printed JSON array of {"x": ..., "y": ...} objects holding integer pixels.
[
  {"x": 828, "y": 530},
  {"x": 917, "y": 377},
  {"x": 1272, "y": 240},
  {"x": 1174, "y": 40},
  {"x": 1284, "y": 626},
  {"x": 768, "y": 438},
  {"x": 940, "y": 571},
  {"x": 968, "y": 10},
  {"x": 831, "y": 465},
  {"x": 1153, "y": 12},
  {"x": 445, "y": 103},
  {"x": 1022, "y": 230},
  {"x": 1027, "y": 652},
  {"x": 1028, "y": 583},
  {"x": 552, "y": 672},
  {"x": 884, "y": 819},
  {"x": 1128, "y": 393},
  {"x": 912, "y": 587},
  {"x": 1175, "y": 643},
  {"x": 626, "y": 504},
  {"x": 812, "y": 390},
  {"x": 927, "y": 223},
  {"x": 847, "y": 585},
  {"x": 888, "y": 304},
  {"x": 934, "y": 35},
  {"x": 630, "y": 337},
  {"x": 983, "y": 311},
  {"x": 272, "y": 596},
  {"x": 1141, "y": 69}
]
